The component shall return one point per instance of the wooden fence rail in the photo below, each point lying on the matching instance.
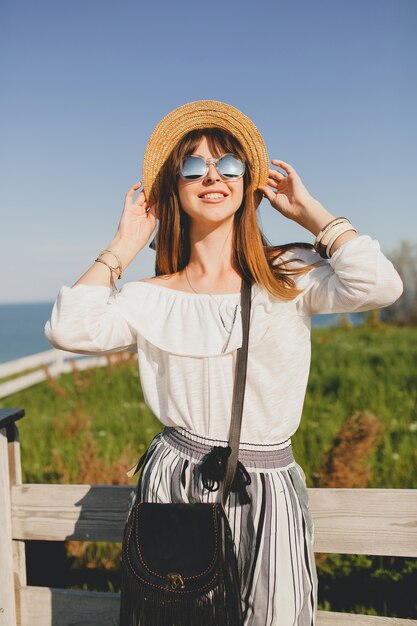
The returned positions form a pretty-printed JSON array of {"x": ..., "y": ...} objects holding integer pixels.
[
  {"x": 35, "y": 368},
  {"x": 347, "y": 521}
]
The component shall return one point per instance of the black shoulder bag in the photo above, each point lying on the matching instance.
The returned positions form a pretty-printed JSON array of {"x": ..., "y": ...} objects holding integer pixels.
[{"x": 179, "y": 566}]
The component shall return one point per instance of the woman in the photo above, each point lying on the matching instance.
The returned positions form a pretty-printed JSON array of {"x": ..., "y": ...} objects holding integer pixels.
[{"x": 205, "y": 172}]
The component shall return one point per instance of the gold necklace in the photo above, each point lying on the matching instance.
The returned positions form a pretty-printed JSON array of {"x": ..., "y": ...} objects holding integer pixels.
[{"x": 218, "y": 306}]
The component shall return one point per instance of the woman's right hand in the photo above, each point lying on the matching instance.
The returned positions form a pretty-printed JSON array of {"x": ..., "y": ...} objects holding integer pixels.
[{"x": 138, "y": 220}]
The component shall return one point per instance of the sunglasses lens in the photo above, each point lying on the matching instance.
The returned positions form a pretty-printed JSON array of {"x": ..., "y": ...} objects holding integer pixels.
[
  {"x": 193, "y": 167},
  {"x": 230, "y": 167}
]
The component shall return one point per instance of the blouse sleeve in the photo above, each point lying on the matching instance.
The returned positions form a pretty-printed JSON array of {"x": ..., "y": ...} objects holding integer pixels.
[
  {"x": 357, "y": 277},
  {"x": 87, "y": 319}
]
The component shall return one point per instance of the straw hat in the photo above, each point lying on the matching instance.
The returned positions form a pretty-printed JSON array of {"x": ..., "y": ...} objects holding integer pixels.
[{"x": 203, "y": 114}]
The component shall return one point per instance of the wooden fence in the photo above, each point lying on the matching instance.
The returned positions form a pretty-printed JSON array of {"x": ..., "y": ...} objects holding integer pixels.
[
  {"x": 35, "y": 368},
  {"x": 348, "y": 521}
]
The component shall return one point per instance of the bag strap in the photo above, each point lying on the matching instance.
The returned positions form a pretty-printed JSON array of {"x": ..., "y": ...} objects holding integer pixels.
[{"x": 238, "y": 391}]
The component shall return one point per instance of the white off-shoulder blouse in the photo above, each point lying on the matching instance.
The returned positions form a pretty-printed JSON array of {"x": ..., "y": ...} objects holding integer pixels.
[{"x": 186, "y": 357}]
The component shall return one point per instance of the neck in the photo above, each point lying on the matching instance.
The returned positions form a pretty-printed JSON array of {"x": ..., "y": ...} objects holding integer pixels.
[{"x": 211, "y": 253}]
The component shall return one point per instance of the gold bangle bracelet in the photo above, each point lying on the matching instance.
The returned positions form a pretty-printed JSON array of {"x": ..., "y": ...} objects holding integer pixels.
[
  {"x": 116, "y": 256},
  {"x": 112, "y": 269}
]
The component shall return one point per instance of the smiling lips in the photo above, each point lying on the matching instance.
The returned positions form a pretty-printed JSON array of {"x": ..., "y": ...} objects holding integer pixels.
[{"x": 213, "y": 196}]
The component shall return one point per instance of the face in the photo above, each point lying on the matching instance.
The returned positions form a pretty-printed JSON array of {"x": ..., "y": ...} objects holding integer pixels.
[{"x": 203, "y": 209}]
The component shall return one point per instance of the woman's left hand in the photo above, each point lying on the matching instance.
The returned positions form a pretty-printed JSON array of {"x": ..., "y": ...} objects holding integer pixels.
[{"x": 289, "y": 196}]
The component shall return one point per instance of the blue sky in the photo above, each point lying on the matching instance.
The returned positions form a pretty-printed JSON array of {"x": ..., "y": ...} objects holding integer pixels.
[{"x": 330, "y": 84}]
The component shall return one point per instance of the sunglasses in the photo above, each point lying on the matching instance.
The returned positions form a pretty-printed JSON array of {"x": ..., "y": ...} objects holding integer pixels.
[{"x": 195, "y": 167}]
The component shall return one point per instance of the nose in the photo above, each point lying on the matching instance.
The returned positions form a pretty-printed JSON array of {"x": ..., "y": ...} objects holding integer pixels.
[{"x": 212, "y": 173}]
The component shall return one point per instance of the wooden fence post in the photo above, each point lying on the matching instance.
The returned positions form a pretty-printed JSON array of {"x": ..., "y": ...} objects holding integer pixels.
[{"x": 8, "y": 432}]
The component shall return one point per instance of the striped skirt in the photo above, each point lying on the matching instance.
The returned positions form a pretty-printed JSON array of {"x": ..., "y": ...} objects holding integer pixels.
[{"x": 273, "y": 534}]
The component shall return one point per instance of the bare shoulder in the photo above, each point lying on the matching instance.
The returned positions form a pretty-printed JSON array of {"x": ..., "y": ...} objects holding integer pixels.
[
  {"x": 172, "y": 281},
  {"x": 160, "y": 280}
]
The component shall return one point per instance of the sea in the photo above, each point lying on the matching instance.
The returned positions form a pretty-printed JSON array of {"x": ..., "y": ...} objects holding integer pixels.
[{"x": 22, "y": 328}]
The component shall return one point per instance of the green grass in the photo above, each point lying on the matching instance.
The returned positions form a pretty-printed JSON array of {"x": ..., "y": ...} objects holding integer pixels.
[
  {"x": 351, "y": 370},
  {"x": 363, "y": 369},
  {"x": 111, "y": 407}
]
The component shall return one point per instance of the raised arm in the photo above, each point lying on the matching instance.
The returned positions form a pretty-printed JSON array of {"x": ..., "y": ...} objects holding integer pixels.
[
  {"x": 136, "y": 225},
  {"x": 356, "y": 277},
  {"x": 87, "y": 318}
]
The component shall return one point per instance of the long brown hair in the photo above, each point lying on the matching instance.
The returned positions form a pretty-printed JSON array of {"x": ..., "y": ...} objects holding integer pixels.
[{"x": 253, "y": 257}]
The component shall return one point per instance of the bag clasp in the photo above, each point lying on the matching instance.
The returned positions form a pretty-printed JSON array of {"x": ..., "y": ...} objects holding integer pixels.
[{"x": 176, "y": 580}]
